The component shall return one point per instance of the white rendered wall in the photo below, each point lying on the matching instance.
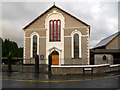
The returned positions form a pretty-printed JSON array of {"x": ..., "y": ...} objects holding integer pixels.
[{"x": 59, "y": 45}]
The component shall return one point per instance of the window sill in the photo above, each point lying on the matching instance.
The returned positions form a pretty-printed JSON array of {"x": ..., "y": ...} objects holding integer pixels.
[
  {"x": 54, "y": 41},
  {"x": 76, "y": 58}
]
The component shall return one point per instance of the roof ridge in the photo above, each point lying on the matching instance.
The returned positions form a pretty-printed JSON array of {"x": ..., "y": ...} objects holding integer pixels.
[
  {"x": 103, "y": 42},
  {"x": 112, "y": 35}
]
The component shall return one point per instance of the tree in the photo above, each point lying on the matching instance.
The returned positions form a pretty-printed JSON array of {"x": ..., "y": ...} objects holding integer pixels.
[
  {"x": 20, "y": 52},
  {"x": 12, "y": 47}
]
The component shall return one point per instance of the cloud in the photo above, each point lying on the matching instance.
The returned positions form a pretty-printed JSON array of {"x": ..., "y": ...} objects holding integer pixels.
[
  {"x": 101, "y": 16},
  {"x": 18, "y": 15}
]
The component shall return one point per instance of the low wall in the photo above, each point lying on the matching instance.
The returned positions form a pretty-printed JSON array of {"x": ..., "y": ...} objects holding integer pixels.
[
  {"x": 83, "y": 69},
  {"x": 115, "y": 67},
  {"x": 13, "y": 61},
  {"x": 32, "y": 61}
]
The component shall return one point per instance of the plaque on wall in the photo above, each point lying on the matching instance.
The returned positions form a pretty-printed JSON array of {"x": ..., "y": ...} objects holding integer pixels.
[
  {"x": 88, "y": 69},
  {"x": 41, "y": 57}
]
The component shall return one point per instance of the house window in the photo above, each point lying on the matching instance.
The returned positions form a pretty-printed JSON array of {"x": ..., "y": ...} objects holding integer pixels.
[
  {"x": 104, "y": 57},
  {"x": 34, "y": 45},
  {"x": 54, "y": 30},
  {"x": 76, "y": 45}
]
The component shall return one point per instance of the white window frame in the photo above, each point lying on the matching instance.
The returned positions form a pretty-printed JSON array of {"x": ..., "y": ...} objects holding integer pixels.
[
  {"x": 72, "y": 42},
  {"x": 31, "y": 48}
]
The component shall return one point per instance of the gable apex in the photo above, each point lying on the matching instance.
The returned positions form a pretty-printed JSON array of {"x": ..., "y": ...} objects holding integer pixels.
[{"x": 54, "y": 6}]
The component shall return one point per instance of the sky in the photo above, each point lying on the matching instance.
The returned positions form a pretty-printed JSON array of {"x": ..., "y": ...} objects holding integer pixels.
[{"x": 101, "y": 16}]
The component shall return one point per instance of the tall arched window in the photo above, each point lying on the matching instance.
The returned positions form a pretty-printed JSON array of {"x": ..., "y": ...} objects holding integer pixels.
[
  {"x": 76, "y": 45},
  {"x": 34, "y": 45},
  {"x": 54, "y": 30}
]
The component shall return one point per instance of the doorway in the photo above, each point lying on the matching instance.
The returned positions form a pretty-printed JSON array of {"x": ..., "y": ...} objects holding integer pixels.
[{"x": 55, "y": 58}]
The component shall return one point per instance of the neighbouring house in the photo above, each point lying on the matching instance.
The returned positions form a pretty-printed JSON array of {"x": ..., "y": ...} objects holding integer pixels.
[
  {"x": 107, "y": 51},
  {"x": 60, "y": 34}
]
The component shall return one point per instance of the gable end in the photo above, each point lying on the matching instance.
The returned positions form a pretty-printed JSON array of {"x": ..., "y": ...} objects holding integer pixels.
[{"x": 59, "y": 9}]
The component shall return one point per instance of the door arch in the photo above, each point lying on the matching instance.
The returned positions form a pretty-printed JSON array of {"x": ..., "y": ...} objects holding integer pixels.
[{"x": 55, "y": 57}]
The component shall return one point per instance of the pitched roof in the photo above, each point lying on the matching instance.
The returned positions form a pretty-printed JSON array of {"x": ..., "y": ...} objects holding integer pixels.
[
  {"x": 49, "y": 10},
  {"x": 105, "y": 41}
]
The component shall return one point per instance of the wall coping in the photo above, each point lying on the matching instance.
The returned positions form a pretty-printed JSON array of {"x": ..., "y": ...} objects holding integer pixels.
[
  {"x": 115, "y": 65},
  {"x": 80, "y": 65}
]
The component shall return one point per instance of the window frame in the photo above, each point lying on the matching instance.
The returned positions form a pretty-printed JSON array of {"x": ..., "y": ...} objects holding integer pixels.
[
  {"x": 72, "y": 43},
  {"x": 31, "y": 50},
  {"x": 104, "y": 57},
  {"x": 75, "y": 46},
  {"x": 34, "y": 42},
  {"x": 52, "y": 29}
]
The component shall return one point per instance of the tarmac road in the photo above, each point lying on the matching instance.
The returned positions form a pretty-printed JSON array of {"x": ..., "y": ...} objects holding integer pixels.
[
  {"x": 43, "y": 80},
  {"x": 110, "y": 82}
]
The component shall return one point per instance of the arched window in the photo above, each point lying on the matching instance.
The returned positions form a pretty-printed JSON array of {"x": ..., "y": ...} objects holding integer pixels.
[
  {"x": 104, "y": 57},
  {"x": 76, "y": 45},
  {"x": 34, "y": 45},
  {"x": 54, "y": 30}
]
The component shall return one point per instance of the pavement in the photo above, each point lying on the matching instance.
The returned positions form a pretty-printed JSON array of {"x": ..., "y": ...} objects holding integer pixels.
[{"x": 25, "y": 77}]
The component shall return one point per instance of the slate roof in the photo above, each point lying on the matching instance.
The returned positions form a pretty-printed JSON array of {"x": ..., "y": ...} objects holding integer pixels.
[
  {"x": 105, "y": 41},
  {"x": 59, "y": 9}
]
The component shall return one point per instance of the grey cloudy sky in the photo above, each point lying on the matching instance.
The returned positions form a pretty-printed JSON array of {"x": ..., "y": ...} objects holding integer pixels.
[{"x": 101, "y": 16}]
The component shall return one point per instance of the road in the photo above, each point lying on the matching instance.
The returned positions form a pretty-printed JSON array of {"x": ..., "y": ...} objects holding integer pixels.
[
  {"x": 111, "y": 82},
  {"x": 43, "y": 80}
]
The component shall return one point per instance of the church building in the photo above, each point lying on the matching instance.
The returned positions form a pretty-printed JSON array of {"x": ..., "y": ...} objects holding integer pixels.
[{"x": 60, "y": 34}]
